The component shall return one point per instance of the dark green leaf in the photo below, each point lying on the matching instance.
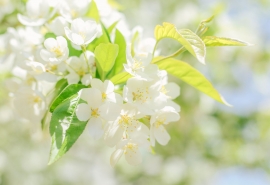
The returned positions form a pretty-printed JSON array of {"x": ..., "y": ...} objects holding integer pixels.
[
  {"x": 65, "y": 128},
  {"x": 67, "y": 92}
]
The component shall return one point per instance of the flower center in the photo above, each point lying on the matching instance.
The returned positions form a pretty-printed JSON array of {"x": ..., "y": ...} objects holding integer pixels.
[
  {"x": 81, "y": 72},
  {"x": 131, "y": 146},
  {"x": 94, "y": 112},
  {"x": 104, "y": 96},
  {"x": 140, "y": 95},
  {"x": 136, "y": 65},
  {"x": 57, "y": 51},
  {"x": 36, "y": 99}
]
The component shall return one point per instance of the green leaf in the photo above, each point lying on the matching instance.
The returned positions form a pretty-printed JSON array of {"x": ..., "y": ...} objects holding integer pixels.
[
  {"x": 190, "y": 75},
  {"x": 121, "y": 58},
  {"x": 59, "y": 86},
  {"x": 50, "y": 35},
  {"x": 65, "y": 128},
  {"x": 93, "y": 11},
  {"x": 220, "y": 41},
  {"x": 110, "y": 29},
  {"x": 120, "y": 78},
  {"x": 67, "y": 92},
  {"x": 135, "y": 37},
  {"x": 187, "y": 38},
  {"x": 105, "y": 55}
]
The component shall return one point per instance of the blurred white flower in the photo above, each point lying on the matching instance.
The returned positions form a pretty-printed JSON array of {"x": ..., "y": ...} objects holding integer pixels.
[
  {"x": 38, "y": 12},
  {"x": 29, "y": 104}
]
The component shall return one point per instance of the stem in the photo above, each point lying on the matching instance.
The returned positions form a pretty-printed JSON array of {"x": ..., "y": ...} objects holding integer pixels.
[
  {"x": 84, "y": 54},
  {"x": 181, "y": 50}
]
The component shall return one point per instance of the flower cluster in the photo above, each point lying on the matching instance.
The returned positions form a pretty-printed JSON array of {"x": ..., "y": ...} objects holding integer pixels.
[{"x": 57, "y": 43}]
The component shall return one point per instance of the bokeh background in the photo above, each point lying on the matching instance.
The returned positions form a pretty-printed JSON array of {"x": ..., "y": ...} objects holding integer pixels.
[{"x": 211, "y": 144}]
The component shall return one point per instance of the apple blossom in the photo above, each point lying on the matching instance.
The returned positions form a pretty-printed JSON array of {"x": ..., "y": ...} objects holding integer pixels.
[
  {"x": 82, "y": 32},
  {"x": 56, "y": 50}
]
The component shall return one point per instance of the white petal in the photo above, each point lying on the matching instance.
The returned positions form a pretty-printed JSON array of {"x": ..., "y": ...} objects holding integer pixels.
[
  {"x": 45, "y": 55},
  {"x": 86, "y": 79},
  {"x": 114, "y": 135},
  {"x": 97, "y": 83},
  {"x": 173, "y": 90},
  {"x": 95, "y": 128},
  {"x": 92, "y": 96},
  {"x": 110, "y": 111},
  {"x": 116, "y": 155},
  {"x": 77, "y": 39},
  {"x": 83, "y": 112},
  {"x": 50, "y": 43},
  {"x": 108, "y": 86},
  {"x": 133, "y": 156},
  {"x": 73, "y": 78},
  {"x": 62, "y": 42},
  {"x": 161, "y": 135}
]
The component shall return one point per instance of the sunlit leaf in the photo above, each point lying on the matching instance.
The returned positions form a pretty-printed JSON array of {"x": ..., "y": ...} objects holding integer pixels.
[
  {"x": 105, "y": 55},
  {"x": 65, "y": 128},
  {"x": 187, "y": 38},
  {"x": 220, "y": 41},
  {"x": 190, "y": 75}
]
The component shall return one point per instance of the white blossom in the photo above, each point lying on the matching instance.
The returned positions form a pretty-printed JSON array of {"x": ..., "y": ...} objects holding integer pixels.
[
  {"x": 38, "y": 12},
  {"x": 130, "y": 148},
  {"x": 158, "y": 120},
  {"x": 56, "y": 50},
  {"x": 82, "y": 32}
]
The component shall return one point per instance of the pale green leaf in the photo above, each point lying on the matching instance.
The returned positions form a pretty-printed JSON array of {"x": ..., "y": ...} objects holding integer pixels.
[
  {"x": 110, "y": 29},
  {"x": 93, "y": 11},
  {"x": 65, "y": 128},
  {"x": 191, "y": 76},
  {"x": 105, "y": 55},
  {"x": 187, "y": 38},
  {"x": 121, "y": 58},
  {"x": 221, "y": 41},
  {"x": 120, "y": 78}
]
